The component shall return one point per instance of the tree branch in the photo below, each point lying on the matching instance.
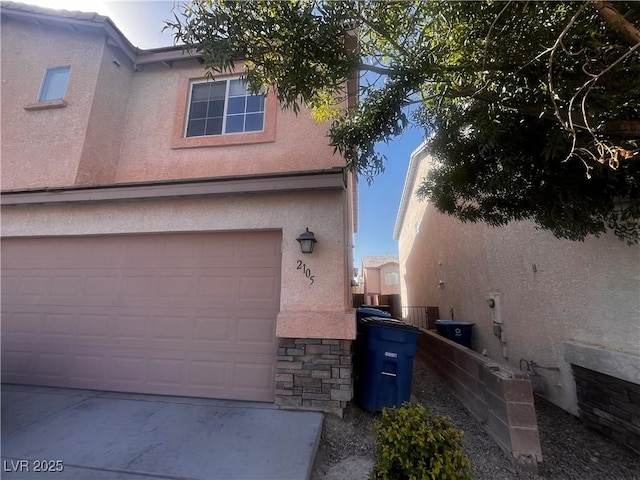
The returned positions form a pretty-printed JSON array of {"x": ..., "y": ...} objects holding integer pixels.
[
  {"x": 617, "y": 21},
  {"x": 552, "y": 93},
  {"x": 373, "y": 26},
  {"x": 376, "y": 69},
  {"x": 486, "y": 40}
]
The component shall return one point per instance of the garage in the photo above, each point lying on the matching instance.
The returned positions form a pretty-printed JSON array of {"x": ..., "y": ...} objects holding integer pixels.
[{"x": 188, "y": 314}]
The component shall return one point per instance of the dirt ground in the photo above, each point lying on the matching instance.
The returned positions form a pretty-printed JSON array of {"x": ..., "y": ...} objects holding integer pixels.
[
  {"x": 347, "y": 448},
  {"x": 570, "y": 450}
]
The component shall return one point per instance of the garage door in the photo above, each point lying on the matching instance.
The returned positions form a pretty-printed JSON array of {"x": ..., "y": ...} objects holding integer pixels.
[{"x": 177, "y": 314}]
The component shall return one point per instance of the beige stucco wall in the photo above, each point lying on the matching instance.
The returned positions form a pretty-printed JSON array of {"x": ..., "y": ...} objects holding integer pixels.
[
  {"x": 147, "y": 153},
  {"x": 307, "y": 310},
  {"x": 372, "y": 281},
  {"x": 388, "y": 289},
  {"x": 105, "y": 129},
  {"x": 43, "y": 147},
  {"x": 350, "y": 228},
  {"x": 409, "y": 232},
  {"x": 588, "y": 292},
  {"x": 119, "y": 124}
]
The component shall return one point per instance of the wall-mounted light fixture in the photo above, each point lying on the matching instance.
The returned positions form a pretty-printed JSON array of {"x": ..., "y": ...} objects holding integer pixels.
[{"x": 307, "y": 241}]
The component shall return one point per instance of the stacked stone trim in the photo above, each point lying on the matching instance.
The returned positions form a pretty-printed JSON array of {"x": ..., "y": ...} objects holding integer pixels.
[
  {"x": 609, "y": 405},
  {"x": 314, "y": 374}
]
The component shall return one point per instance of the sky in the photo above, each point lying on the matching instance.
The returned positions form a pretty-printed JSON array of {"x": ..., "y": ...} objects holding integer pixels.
[{"x": 141, "y": 21}]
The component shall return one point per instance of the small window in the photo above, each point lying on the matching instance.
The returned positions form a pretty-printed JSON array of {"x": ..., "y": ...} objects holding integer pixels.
[
  {"x": 224, "y": 107},
  {"x": 391, "y": 278},
  {"x": 54, "y": 86}
]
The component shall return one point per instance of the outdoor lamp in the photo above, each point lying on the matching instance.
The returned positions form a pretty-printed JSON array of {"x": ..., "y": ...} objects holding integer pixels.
[{"x": 307, "y": 241}]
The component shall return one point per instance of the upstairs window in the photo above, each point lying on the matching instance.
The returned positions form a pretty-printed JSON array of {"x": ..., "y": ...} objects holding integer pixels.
[
  {"x": 224, "y": 107},
  {"x": 391, "y": 278},
  {"x": 54, "y": 86}
]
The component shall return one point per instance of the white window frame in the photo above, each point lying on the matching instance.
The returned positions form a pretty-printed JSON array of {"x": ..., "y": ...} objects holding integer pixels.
[
  {"x": 394, "y": 275},
  {"x": 224, "y": 113},
  {"x": 44, "y": 82}
]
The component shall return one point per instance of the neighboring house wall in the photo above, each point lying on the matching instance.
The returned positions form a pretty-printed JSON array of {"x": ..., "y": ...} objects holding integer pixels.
[
  {"x": 389, "y": 273},
  {"x": 549, "y": 293},
  {"x": 372, "y": 282},
  {"x": 375, "y": 271},
  {"x": 409, "y": 229}
]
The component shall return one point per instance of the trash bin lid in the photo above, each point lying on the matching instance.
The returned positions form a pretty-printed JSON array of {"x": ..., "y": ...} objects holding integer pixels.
[
  {"x": 389, "y": 322},
  {"x": 374, "y": 312},
  {"x": 454, "y": 324}
]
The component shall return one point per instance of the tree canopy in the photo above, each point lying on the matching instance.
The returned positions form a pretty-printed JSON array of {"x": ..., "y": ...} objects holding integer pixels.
[{"x": 532, "y": 107}]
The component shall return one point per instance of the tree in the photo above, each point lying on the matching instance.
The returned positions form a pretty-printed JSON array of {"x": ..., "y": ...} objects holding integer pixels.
[{"x": 533, "y": 107}]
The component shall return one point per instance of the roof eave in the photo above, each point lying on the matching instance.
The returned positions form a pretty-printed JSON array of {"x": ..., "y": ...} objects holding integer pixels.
[
  {"x": 328, "y": 179},
  {"x": 97, "y": 23},
  {"x": 416, "y": 157}
]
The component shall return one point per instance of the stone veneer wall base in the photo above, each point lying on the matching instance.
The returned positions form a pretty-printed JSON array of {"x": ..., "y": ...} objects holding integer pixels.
[
  {"x": 609, "y": 405},
  {"x": 607, "y": 389},
  {"x": 314, "y": 374}
]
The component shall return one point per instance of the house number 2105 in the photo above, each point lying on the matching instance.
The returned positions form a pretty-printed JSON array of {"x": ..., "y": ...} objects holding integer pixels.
[{"x": 306, "y": 270}]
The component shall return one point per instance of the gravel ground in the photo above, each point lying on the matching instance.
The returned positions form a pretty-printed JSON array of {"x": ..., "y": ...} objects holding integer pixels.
[{"x": 569, "y": 449}]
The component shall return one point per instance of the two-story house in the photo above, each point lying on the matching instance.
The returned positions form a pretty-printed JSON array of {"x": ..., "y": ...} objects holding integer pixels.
[
  {"x": 567, "y": 313},
  {"x": 381, "y": 277},
  {"x": 150, "y": 224}
]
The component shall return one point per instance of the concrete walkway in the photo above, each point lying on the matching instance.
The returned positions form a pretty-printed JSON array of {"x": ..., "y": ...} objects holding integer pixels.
[{"x": 105, "y": 435}]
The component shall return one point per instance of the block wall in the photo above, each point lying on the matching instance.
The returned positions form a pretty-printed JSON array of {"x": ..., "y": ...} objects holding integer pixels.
[{"x": 500, "y": 398}]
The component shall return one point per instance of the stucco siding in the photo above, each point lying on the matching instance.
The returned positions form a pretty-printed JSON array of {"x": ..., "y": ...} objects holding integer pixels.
[
  {"x": 148, "y": 152},
  {"x": 372, "y": 282},
  {"x": 388, "y": 289},
  {"x": 291, "y": 213},
  {"x": 103, "y": 139},
  {"x": 409, "y": 233},
  {"x": 119, "y": 125},
  {"x": 349, "y": 221},
  {"x": 116, "y": 144},
  {"x": 546, "y": 290},
  {"x": 42, "y": 148}
]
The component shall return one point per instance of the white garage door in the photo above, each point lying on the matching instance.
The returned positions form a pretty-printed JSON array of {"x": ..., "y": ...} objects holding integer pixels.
[{"x": 175, "y": 314}]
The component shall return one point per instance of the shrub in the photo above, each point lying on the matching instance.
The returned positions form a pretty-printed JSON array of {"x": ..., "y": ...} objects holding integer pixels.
[{"x": 412, "y": 444}]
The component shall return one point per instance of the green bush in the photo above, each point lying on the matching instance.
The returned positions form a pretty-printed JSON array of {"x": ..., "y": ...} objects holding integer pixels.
[{"x": 412, "y": 444}]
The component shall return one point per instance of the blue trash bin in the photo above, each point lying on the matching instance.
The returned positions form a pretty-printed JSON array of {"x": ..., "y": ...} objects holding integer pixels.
[
  {"x": 389, "y": 348},
  {"x": 459, "y": 332},
  {"x": 359, "y": 346},
  {"x": 364, "y": 312}
]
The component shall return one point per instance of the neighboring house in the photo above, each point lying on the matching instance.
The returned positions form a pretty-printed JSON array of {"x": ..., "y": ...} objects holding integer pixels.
[
  {"x": 380, "y": 276},
  {"x": 150, "y": 221},
  {"x": 357, "y": 282},
  {"x": 567, "y": 311}
]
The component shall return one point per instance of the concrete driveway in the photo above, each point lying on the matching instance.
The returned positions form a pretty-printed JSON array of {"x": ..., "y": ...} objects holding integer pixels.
[{"x": 115, "y": 436}]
